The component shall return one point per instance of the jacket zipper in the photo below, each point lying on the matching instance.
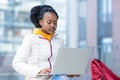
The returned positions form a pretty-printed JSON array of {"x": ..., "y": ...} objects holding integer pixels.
[
  {"x": 50, "y": 56},
  {"x": 51, "y": 52}
]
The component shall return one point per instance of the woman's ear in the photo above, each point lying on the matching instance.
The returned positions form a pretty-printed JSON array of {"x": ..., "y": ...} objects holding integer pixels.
[{"x": 41, "y": 22}]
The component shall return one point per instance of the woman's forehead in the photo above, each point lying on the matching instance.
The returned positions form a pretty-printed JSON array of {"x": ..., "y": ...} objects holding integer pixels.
[{"x": 50, "y": 15}]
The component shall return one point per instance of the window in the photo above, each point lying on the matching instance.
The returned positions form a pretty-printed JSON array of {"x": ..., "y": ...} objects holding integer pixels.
[
  {"x": 82, "y": 23},
  {"x": 106, "y": 10},
  {"x": 82, "y": 8}
]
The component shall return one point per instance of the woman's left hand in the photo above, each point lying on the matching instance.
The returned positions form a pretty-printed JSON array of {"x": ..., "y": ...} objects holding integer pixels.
[{"x": 73, "y": 75}]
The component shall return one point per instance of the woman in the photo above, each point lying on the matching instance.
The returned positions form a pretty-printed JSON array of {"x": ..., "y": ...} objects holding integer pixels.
[{"x": 38, "y": 50}]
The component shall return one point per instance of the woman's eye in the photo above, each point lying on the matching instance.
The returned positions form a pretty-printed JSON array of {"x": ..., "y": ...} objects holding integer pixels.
[
  {"x": 55, "y": 23},
  {"x": 49, "y": 22}
]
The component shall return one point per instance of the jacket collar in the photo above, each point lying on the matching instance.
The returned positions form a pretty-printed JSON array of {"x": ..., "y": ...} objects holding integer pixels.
[{"x": 38, "y": 31}]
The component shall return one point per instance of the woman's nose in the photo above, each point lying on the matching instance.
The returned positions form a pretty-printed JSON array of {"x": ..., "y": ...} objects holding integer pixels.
[{"x": 52, "y": 25}]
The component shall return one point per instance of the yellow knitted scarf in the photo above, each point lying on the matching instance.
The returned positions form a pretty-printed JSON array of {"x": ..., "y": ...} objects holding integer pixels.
[{"x": 38, "y": 31}]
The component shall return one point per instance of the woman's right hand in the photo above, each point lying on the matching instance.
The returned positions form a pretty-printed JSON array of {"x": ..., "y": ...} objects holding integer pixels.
[{"x": 45, "y": 71}]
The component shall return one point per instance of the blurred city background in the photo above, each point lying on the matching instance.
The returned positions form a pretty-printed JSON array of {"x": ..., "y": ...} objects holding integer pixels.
[{"x": 93, "y": 24}]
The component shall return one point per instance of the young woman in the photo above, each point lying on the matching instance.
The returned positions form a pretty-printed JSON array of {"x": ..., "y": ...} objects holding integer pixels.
[{"x": 38, "y": 51}]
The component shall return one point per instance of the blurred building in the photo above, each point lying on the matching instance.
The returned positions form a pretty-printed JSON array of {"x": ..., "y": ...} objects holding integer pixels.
[
  {"x": 15, "y": 24},
  {"x": 82, "y": 23}
]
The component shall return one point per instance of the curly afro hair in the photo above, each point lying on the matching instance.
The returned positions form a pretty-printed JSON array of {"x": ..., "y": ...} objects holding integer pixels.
[{"x": 37, "y": 13}]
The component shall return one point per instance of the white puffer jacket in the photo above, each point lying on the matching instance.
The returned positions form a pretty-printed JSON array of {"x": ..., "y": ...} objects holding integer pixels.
[{"x": 35, "y": 54}]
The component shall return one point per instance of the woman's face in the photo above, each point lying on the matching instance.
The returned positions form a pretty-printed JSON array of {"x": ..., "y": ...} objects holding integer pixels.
[{"x": 48, "y": 23}]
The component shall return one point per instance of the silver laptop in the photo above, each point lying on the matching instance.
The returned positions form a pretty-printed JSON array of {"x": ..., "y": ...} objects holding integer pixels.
[{"x": 70, "y": 61}]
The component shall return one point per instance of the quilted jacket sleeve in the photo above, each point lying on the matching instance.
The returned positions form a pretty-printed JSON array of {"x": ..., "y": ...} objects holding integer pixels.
[{"x": 20, "y": 59}]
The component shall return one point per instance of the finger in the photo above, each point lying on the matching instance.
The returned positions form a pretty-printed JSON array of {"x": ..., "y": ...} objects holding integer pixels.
[
  {"x": 77, "y": 75},
  {"x": 70, "y": 76},
  {"x": 48, "y": 70},
  {"x": 45, "y": 71},
  {"x": 73, "y": 76}
]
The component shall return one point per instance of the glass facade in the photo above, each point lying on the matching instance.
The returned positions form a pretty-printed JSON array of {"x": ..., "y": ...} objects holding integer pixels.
[
  {"x": 82, "y": 23},
  {"x": 104, "y": 24},
  {"x": 15, "y": 24}
]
